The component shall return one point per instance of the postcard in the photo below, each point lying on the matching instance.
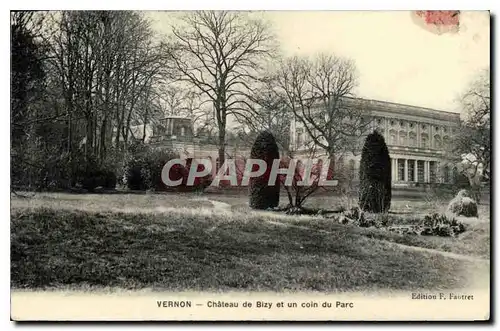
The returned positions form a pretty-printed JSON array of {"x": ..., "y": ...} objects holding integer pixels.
[{"x": 250, "y": 166}]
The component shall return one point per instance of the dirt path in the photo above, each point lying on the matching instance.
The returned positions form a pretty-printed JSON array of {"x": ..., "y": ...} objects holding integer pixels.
[
  {"x": 442, "y": 253},
  {"x": 221, "y": 206}
]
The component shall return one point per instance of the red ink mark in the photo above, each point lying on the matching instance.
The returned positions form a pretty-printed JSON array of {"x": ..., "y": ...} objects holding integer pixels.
[
  {"x": 439, "y": 21},
  {"x": 440, "y": 17}
]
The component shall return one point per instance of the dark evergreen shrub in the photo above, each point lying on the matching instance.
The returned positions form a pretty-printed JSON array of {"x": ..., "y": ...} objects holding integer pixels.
[
  {"x": 375, "y": 175},
  {"x": 263, "y": 195}
]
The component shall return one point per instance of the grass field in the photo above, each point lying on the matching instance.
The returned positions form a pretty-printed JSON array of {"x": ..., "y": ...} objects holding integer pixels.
[{"x": 193, "y": 242}]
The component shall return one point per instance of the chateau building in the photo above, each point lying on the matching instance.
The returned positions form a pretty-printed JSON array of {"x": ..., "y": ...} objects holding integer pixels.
[
  {"x": 167, "y": 129},
  {"x": 418, "y": 139},
  {"x": 177, "y": 133}
]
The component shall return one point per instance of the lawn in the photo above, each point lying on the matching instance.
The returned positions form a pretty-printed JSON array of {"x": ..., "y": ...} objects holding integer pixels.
[
  {"x": 181, "y": 242},
  {"x": 111, "y": 202},
  {"x": 474, "y": 242}
]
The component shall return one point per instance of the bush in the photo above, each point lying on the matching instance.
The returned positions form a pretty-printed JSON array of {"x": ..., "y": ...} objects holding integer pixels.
[
  {"x": 375, "y": 175},
  {"x": 96, "y": 175},
  {"x": 200, "y": 183},
  {"x": 441, "y": 225},
  {"x": 143, "y": 167},
  {"x": 263, "y": 195},
  {"x": 99, "y": 178},
  {"x": 463, "y": 205},
  {"x": 463, "y": 194},
  {"x": 357, "y": 217},
  {"x": 155, "y": 161}
]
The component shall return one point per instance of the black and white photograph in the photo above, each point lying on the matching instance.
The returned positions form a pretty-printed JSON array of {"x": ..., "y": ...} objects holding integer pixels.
[{"x": 211, "y": 165}]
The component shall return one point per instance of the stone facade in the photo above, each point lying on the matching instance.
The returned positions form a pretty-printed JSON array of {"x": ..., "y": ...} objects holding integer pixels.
[{"x": 417, "y": 139}]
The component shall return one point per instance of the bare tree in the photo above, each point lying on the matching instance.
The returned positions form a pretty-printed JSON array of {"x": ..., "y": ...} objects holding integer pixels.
[
  {"x": 269, "y": 113},
  {"x": 319, "y": 93},
  {"x": 473, "y": 140},
  {"x": 297, "y": 192},
  {"x": 220, "y": 54}
]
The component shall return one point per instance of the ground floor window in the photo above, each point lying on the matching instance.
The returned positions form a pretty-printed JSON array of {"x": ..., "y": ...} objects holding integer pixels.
[
  {"x": 411, "y": 170},
  {"x": 432, "y": 171},
  {"x": 401, "y": 170},
  {"x": 420, "y": 171}
]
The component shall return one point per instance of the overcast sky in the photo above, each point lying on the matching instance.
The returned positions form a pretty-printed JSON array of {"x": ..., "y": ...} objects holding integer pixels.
[{"x": 397, "y": 59}]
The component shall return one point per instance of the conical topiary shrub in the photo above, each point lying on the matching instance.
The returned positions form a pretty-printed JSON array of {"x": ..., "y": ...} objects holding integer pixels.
[
  {"x": 263, "y": 195},
  {"x": 375, "y": 175}
]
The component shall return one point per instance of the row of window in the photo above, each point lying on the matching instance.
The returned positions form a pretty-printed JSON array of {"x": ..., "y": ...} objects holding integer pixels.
[
  {"x": 448, "y": 174},
  {"x": 412, "y": 125},
  {"x": 400, "y": 139},
  {"x": 419, "y": 171},
  {"x": 404, "y": 139},
  {"x": 160, "y": 130}
]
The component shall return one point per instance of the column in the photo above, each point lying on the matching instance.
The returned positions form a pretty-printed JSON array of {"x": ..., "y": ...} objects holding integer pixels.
[
  {"x": 406, "y": 170},
  {"x": 393, "y": 169},
  {"x": 426, "y": 171},
  {"x": 167, "y": 127},
  {"x": 415, "y": 171},
  {"x": 396, "y": 170},
  {"x": 440, "y": 172}
]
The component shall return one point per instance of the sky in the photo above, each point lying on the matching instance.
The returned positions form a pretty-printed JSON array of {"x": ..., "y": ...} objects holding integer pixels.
[{"x": 397, "y": 59}]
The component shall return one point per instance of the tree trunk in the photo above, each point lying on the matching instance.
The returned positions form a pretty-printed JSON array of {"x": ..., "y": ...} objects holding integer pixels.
[
  {"x": 221, "y": 123},
  {"x": 222, "y": 148},
  {"x": 331, "y": 167}
]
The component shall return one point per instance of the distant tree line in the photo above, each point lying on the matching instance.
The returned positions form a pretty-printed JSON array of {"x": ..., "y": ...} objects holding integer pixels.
[{"x": 80, "y": 80}]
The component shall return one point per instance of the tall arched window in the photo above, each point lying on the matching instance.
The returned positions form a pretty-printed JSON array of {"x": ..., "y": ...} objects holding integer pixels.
[
  {"x": 437, "y": 142},
  {"x": 413, "y": 139},
  {"x": 424, "y": 141},
  {"x": 183, "y": 131},
  {"x": 402, "y": 138},
  {"x": 446, "y": 141},
  {"x": 392, "y": 137}
]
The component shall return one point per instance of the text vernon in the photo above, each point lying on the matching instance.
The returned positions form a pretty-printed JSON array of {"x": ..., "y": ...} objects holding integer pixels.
[{"x": 173, "y": 304}]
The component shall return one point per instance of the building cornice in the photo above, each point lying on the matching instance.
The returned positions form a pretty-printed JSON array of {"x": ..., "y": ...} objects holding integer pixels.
[{"x": 398, "y": 108}]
